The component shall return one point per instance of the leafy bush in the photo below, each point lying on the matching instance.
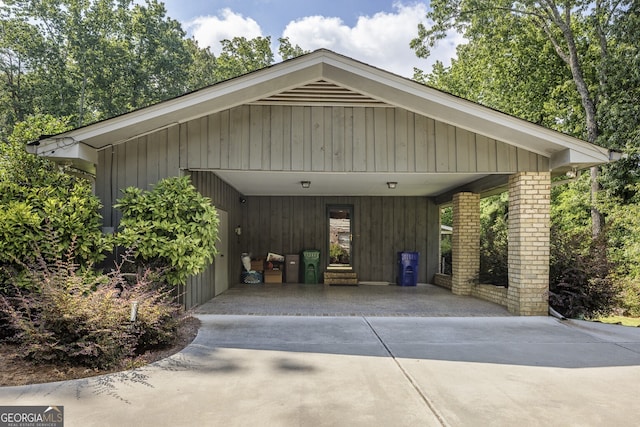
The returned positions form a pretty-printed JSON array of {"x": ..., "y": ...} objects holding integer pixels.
[
  {"x": 66, "y": 209},
  {"x": 79, "y": 317},
  {"x": 172, "y": 227},
  {"x": 580, "y": 281},
  {"x": 38, "y": 201},
  {"x": 337, "y": 254},
  {"x": 630, "y": 297},
  {"x": 623, "y": 233}
]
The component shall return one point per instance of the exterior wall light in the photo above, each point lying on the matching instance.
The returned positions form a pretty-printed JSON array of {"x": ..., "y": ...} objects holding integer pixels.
[
  {"x": 392, "y": 185},
  {"x": 305, "y": 184}
]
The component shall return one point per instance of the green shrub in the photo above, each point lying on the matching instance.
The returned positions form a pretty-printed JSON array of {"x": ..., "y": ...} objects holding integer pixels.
[
  {"x": 172, "y": 227},
  {"x": 79, "y": 317},
  {"x": 65, "y": 210},
  {"x": 42, "y": 209},
  {"x": 337, "y": 254},
  {"x": 623, "y": 238},
  {"x": 630, "y": 297},
  {"x": 580, "y": 284},
  {"x": 156, "y": 324}
]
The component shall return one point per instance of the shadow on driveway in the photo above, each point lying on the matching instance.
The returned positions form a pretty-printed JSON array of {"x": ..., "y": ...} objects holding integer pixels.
[{"x": 527, "y": 341}]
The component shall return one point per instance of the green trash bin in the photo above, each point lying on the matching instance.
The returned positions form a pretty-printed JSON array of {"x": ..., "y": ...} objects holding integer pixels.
[{"x": 311, "y": 265}]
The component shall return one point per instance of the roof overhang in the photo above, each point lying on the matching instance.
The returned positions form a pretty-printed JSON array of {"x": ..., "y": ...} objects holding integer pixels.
[{"x": 326, "y": 78}]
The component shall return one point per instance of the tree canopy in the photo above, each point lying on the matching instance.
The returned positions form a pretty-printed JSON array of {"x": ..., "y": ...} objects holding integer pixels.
[
  {"x": 93, "y": 59},
  {"x": 570, "y": 66}
]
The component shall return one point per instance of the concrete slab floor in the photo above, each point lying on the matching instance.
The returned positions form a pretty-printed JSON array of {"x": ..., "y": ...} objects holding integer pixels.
[
  {"x": 287, "y": 299},
  {"x": 369, "y": 371}
]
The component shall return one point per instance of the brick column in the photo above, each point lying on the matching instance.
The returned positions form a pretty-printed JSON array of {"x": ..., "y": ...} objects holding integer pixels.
[
  {"x": 465, "y": 242},
  {"x": 529, "y": 210}
]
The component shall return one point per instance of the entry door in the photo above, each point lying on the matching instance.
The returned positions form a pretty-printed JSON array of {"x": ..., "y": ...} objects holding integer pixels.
[
  {"x": 221, "y": 262},
  {"x": 340, "y": 236}
]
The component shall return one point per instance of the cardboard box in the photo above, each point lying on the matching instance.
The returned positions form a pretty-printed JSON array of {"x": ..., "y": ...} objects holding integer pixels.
[
  {"x": 273, "y": 276},
  {"x": 257, "y": 265}
]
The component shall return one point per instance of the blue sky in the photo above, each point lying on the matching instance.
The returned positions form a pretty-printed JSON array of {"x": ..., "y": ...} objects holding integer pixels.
[{"x": 376, "y": 32}]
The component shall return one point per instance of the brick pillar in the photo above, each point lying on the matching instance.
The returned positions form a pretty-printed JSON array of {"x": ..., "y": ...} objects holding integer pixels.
[
  {"x": 529, "y": 210},
  {"x": 465, "y": 242}
]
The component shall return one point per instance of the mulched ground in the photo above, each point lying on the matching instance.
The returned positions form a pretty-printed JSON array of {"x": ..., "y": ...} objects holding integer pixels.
[{"x": 16, "y": 371}]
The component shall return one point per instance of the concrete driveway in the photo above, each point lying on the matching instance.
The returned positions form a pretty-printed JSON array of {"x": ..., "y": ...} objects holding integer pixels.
[{"x": 369, "y": 371}]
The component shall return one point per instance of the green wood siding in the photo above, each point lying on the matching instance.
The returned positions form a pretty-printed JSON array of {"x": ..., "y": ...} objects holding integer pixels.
[
  {"x": 382, "y": 226},
  {"x": 342, "y": 139}
]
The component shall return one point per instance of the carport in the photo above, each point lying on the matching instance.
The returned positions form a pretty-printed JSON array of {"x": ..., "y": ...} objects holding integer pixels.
[{"x": 278, "y": 150}]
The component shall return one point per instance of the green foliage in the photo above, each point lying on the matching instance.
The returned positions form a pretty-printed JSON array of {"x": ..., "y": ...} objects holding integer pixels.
[
  {"x": 93, "y": 59},
  {"x": 446, "y": 218},
  {"x": 570, "y": 207},
  {"x": 580, "y": 281},
  {"x": 493, "y": 240},
  {"x": 22, "y": 168},
  {"x": 623, "y": 233},
  {"x": 68, "y": 212},
  {"x": 337, "y": 254},
  {"x": 287, "y": 51},
  {"x": 630, "y": 297},
  {"x": 508, "y": 63},
  {"x": 172, "y": 226},
  {"x": 78, "y": 317},
  {"x": 41, "y": 207},
  {"x": 240, "y": 56}
]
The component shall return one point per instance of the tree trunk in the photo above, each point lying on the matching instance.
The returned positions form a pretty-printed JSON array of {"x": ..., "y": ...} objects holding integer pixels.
[
  {"x": 597, "y": 219},
  {"x": 588, "y": 104}
]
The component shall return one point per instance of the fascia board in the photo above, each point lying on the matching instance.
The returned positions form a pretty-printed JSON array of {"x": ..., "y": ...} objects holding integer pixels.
[
  {"x": 570, "y": 158},
  {"x": 67, "y": 148}
]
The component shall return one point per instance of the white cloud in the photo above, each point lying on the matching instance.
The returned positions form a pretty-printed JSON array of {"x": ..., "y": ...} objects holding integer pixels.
[
  {"x": 381, "y": 40},
  {"x": 210, "y": 30}
]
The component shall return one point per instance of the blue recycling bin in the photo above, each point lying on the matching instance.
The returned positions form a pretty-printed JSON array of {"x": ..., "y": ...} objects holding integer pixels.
[{"x": 408, "y": 268}]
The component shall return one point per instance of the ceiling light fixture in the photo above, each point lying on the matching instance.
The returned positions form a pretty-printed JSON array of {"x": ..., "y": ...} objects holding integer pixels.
[
  {"x": 392, "y": 184},
  {"x": 305, "y": 184}
]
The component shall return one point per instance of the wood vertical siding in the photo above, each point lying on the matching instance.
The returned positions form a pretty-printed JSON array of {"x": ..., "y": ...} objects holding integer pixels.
[
  {"x": 201, "y": 287},
  {"x": 140, "y": 162},
  {"x": 382, "y": 226},
  {"x": 343, "y": 139}
]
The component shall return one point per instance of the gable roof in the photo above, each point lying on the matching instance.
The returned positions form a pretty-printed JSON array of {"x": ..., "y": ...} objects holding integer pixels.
[{"x": 327, "y": 78}]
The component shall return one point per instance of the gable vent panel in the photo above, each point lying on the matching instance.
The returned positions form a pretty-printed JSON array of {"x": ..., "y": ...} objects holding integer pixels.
[{"x": 320, "y": 93}]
